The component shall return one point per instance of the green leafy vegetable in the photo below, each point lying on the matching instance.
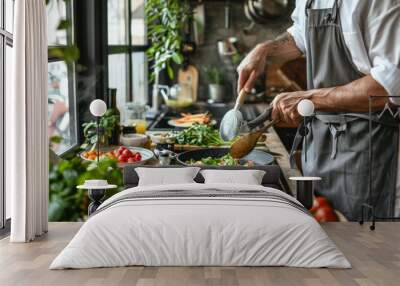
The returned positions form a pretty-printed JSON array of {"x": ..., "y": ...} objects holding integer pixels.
[
  {"x": 226, "y": 160},
  {"x": 199, "y": 135}
]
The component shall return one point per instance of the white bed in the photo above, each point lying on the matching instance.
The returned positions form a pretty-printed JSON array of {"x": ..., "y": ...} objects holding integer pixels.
[{"x": 185, "y": 230}]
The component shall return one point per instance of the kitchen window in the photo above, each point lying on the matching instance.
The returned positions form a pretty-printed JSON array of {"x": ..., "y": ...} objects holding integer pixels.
[
  {"x": 61, "y": 78},
  {"x": 6, "y": 44},
  {"x": 127, "y": 43}
]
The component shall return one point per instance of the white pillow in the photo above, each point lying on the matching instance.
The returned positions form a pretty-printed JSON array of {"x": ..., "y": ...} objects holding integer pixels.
[
  {"x": 248, "y": 177},
  {"x": 166, "y": 176}
]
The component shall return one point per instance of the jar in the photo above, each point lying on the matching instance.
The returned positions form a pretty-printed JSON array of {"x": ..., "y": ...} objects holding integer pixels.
[{"x": 134, "y": 115}]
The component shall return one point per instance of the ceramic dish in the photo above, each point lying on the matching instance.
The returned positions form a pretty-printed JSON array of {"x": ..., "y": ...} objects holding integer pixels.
[
  {"x": 133, "y": 140},
  {"x": 173, "y": 123},
  {"x": 145, "y": 153}
]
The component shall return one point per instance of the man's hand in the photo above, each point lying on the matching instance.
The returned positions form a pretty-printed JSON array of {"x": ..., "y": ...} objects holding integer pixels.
[
  {"x": 285, "y": 106},
  {"x": 252, "y": 66}
]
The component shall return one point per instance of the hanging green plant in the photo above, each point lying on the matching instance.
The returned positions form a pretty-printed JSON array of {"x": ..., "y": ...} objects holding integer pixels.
[
  {"x": 69, "y": 53},
  {"x": 166, "y": 20}
]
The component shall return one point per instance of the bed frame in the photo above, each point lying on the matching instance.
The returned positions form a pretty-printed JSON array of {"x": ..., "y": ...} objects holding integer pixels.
[{"x": 271, "y": 177}]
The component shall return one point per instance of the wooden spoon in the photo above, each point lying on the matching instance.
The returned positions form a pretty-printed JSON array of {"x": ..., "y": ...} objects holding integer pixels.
[{"x": 245, "y": 144}]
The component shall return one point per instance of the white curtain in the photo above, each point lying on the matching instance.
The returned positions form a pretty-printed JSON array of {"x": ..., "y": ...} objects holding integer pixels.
[{"x": 26, "y": 123}]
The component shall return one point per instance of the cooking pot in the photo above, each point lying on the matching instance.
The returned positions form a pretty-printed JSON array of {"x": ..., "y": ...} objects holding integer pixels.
[
  {"x": 270, "y": 8},
  {"x": 259, "y": 11}
]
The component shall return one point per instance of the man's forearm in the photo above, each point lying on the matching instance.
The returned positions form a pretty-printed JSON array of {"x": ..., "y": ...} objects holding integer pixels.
[
  {"x": 283, "y": 48},
  {"x": 350, "y": 97}
]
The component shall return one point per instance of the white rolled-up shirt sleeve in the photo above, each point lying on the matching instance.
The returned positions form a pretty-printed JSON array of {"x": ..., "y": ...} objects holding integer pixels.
[
  {"x": 382, "y": 38},
  {"x": 297, "y": 29}
]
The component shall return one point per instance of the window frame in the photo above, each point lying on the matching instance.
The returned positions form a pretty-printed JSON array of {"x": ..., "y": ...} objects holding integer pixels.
[
  {"x": 72, "y": 92},
  {"x": 6, "y": 39},
  {"x": 128, "y": 49}
]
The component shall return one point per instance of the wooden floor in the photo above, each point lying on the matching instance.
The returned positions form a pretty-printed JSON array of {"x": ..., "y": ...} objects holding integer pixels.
[{"x": 375, "y": 257}]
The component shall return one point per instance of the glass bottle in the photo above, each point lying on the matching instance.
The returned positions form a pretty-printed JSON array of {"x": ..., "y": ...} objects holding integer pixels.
[{"x": 112, "y": 105}]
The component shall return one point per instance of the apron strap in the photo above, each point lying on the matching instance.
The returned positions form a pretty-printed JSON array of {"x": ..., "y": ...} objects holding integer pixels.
[
  {"x": 335, "y": 10},
  {"x": 336, "y": 131},
  {"x": 336, "y": 7},
  {"x": 308, "y": 6}
]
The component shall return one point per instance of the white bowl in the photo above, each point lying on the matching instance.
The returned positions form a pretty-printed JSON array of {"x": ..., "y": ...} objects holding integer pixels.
[
  {"x": 162, "y": 138},
  {"x": 96, "y": 183},
  {"x": 133, "y": 140}
]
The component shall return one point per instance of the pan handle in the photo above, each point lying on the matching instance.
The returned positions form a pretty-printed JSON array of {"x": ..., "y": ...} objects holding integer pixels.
[
  {"x": 170, "y": 153},
  {"x": 259, "y": 120}
]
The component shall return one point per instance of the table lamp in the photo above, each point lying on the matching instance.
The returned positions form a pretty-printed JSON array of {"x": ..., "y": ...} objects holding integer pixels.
[
  {"x": 98, "y": 108},
  {"x": 305, "y": 109}
]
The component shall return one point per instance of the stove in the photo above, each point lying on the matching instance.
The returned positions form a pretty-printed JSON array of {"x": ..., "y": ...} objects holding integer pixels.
[{"x": 217, "y": 111}]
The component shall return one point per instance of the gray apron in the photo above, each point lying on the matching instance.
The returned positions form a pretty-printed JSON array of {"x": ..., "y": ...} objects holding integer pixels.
[{"x": 337, "y": 146}]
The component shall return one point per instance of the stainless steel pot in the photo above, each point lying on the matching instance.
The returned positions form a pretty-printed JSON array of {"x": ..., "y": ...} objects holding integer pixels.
[
  {"x": 259, "y": 11},
  {"x": 270, "y": 8}
]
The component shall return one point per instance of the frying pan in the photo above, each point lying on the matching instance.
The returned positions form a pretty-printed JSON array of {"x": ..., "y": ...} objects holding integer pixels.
[{"x": 260, "y": 158}]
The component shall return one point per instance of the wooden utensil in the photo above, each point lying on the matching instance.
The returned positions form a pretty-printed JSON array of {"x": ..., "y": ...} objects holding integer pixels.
[
  {"x": 245, "y": 144},
  {"x": 189, "y": 77}
]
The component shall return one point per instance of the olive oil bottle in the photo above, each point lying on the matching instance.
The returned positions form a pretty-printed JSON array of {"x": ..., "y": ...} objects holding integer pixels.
[{"x": 112, "y": 105}]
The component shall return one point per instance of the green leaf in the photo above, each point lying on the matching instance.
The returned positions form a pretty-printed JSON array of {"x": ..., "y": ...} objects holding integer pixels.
[
  {"x": 55, "y": 139},
  {"x": 71, "y": 54},
  {"x": 63, "y": 25},
  {"x": 178, "y": 58},
  {"x": 170, "y": 71},
  {"x": 56, "y": 52}
]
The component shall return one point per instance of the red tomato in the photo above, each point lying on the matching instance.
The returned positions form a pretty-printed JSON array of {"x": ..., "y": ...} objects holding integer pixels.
[
  {"x": 131, "y": 160},
  {"x": 122, "y": 159},
  {"x": 128, "y": 153},
  {"x": 318, "y": 203},
  {"x": 137, "y": 157},
  {"x": 324, "y": 214}
]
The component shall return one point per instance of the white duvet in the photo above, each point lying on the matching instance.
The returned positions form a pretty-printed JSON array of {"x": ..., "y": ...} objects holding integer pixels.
[{"x": 200, "y": 231}]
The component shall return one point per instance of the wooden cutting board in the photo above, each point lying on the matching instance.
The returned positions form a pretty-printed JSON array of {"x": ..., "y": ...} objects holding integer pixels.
[{"x": 189, "y": 77}]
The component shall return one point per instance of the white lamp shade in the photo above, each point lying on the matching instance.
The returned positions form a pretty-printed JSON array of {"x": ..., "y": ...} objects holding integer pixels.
[
  {"x": 98, "y": 107},
  {"x": 305, "y": 107}
]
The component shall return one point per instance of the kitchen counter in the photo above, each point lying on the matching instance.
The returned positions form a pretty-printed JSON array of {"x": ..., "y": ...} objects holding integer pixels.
[
  {"x": 273, "y": 142},
  {"x": 276, "y": 147}
]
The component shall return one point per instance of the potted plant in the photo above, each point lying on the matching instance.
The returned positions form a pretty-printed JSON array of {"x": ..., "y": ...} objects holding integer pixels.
[
  {"x": 108, "y": 123},
  {"x": 166, "y": 20},
  {"x": 216, "y": 88}
]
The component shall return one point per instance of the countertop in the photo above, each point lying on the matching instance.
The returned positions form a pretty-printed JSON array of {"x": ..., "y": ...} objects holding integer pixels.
[{"x": 275, "y": 145}]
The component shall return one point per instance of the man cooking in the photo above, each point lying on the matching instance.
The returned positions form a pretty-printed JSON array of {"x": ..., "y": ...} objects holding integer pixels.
[{"x": 353, "y": 51}]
